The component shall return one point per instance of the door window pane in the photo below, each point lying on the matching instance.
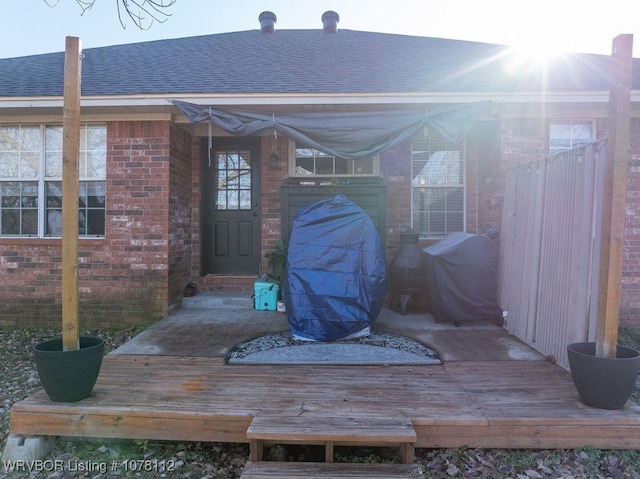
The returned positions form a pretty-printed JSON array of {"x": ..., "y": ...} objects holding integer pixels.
[{"x": 233, "y": 179}]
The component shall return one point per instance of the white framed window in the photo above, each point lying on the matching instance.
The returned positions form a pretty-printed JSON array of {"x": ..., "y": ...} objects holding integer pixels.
[
  {"x": 567, "y": 134},
  {"x": 312, "y": 162},
  {"x": 437, "y": 186},
  {"x": 31, "y": 180}
]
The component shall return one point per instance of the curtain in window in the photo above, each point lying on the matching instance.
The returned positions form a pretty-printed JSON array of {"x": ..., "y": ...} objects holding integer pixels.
[{"x": 349, "y": 135}]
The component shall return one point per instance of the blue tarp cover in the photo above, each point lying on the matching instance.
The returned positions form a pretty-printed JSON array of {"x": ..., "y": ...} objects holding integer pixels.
[{"x": 336, "y": 275}]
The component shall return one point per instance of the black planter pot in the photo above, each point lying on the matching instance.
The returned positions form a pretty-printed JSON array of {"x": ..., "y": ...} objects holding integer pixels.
[
  {"x": 605, "y": 383},
  {"x": 69, "y": 376}
]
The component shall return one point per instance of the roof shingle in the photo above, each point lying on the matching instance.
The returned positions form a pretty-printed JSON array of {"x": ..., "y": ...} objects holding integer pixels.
[{"x": 302, "y": 61}]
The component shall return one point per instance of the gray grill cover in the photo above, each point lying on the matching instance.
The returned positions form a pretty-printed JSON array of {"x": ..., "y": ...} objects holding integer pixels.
[{"x": 462, "y": 272}]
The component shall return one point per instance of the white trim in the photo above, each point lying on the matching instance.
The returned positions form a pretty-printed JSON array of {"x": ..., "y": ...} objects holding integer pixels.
[
  {"x": 308, "y": 100},
  {"x": 84, "y": 118}
]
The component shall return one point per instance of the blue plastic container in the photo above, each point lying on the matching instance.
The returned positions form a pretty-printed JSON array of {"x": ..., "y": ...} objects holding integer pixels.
[{"x": 265, "y": 295}]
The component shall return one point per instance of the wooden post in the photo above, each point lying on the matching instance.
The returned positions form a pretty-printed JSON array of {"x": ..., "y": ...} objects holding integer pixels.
[
  {"x": 70, "y": 193},
  {"x": 614, "y": 197}
]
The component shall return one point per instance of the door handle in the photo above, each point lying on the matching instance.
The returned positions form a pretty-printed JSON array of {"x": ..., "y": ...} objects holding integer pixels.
[{"x": 255, "y": 213}]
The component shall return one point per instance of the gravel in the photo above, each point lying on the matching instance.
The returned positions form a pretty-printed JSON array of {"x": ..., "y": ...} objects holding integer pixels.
[{"x": 96, "y": 459}]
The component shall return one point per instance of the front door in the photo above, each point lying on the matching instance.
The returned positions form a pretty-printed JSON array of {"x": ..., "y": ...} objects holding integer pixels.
[{"x": 231, "y": 207}]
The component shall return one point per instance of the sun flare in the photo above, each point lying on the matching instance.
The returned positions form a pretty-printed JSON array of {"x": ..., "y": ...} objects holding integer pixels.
[
  {"x": 538, "y": 51},
  {"x": 533, "y": 56}
]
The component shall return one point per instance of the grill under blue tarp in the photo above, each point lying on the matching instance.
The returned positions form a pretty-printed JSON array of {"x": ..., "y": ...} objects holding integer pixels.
[{"x": 336, "y": 275}]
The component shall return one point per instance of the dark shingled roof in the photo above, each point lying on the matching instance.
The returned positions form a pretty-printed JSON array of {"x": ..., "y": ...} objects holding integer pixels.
[{"x": 303, "y": 61}]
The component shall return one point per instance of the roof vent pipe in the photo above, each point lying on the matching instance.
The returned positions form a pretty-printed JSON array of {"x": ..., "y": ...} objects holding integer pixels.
[
  {"x": 330, "y": 21},
  {"x": 267, "y": 22}
]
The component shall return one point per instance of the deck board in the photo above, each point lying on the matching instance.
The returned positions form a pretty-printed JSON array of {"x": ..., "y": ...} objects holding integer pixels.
[
  {"x": 288, "y": 470},
  {"x": 490, "y": 404}
]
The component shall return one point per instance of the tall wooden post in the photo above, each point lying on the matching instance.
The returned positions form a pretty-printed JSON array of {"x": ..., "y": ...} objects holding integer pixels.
[
  {"x": 614, "y": 197},
  {"x": 70, "y": 190}
]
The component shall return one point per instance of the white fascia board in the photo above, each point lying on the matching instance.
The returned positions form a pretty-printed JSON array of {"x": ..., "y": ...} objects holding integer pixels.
[
  {"x": 400, "y": 98},
  {"x": 162, "y": 102}
]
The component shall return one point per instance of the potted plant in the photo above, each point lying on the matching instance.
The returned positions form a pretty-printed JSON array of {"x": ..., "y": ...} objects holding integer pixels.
[
  {"x": 276, "y": 262},
  {"x": 68, "y": 366}
]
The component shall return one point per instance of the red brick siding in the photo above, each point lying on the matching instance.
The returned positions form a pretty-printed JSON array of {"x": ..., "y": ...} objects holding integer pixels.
[
  {"x": 484, "y": 185},
  {"x": 271, "y": 182},
  {"x": 31, "y": 281},
  {"x": 123, "y": 278},
  {"x": 195, "y": 192},
  {"x": 180, "y": 211},
  {"x": 395, "y": 168},
  {"x": 630, "y": 288},
  {"x": 152, "y": 243}
]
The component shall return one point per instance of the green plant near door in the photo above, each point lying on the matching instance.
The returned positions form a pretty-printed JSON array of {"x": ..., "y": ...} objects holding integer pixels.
[{"x": 276, "y": 262}]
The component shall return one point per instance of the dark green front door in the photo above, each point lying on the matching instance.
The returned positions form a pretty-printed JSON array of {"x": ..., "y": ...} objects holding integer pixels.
[{"x": 231, "y": 207}]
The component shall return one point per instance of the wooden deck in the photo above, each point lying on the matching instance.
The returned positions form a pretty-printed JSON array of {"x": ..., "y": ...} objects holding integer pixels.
[{"x": 497, "y": 404}]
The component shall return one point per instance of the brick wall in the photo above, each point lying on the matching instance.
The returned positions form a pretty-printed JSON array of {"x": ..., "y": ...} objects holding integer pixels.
[
  {"x": 180, "y": 215},
  {"x": 271, "y": 183},
  {"x": 395, "y": 168},
  {"x": 152, "y": 244},
  {"x": 630, "y": 292},
  {"x": 195, "y": 253},
  {"x": 31, "y": 282},
  {"x": 485, "y": 196},
  {"x": 137, "y": 218},
  {"x": 123, "y": 278}
]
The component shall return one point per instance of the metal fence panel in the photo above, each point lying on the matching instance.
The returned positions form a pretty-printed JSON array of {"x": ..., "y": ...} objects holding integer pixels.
[{"x": 548, "y": 267}]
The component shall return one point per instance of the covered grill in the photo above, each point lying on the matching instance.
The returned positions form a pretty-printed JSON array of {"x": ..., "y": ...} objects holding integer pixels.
[
  {"x": 336, "y": 275},
  {"x": 462, "y": 272}
]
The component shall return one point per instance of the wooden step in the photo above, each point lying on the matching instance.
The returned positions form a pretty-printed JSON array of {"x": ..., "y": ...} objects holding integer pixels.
[
  {"x": 324, "y": 470},
  {"x": 330, "y": 431}
]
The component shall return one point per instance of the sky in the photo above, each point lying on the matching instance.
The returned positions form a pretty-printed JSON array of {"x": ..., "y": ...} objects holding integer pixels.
[{"x": 29, "y": 27}]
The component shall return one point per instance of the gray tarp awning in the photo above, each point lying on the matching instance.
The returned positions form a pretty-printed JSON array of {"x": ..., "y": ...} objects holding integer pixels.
[{"x": 349, "y": 135}]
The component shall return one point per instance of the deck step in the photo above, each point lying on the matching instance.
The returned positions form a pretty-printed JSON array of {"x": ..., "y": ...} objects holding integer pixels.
[
  {"x": 330, "y": 431},
  {"x": 324, "y": 470}
]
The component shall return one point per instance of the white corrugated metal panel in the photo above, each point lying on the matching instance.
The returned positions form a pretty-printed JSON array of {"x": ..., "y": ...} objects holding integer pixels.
[
  {"x": 520, "y": 249},
  {"x": 546, "y": 274}
]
